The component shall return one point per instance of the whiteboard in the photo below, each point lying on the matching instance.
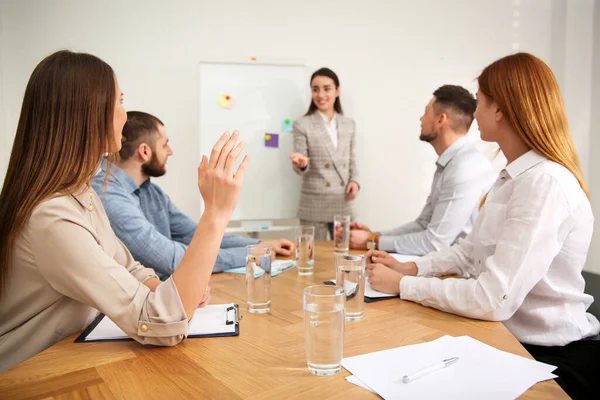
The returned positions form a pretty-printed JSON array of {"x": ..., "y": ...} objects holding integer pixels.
[{"x": 265, "y": 95}]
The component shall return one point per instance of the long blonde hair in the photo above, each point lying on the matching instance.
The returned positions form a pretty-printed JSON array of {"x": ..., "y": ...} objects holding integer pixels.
[
  {"x": 527, "y": 93},
  {"x": 65, "y": 126}
]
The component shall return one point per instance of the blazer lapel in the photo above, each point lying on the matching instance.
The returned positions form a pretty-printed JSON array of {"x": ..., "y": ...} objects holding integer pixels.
[{"x": 343, "y": 137}]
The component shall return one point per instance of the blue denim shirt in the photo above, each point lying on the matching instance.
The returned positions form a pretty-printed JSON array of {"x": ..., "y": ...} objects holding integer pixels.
[{"x": 153, "y": 229}]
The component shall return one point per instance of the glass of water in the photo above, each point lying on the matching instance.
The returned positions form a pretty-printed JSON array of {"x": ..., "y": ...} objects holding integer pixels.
[
  {"x": 350, "y": 276},
  {"x": 258, "y": 278},
  {"x": 324, "y": 328},
  {"x": 341, "y": 232},
  {"x": 305, "y": 250}
]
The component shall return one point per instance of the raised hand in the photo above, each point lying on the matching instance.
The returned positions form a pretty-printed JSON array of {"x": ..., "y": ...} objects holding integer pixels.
[{"x": 219, "y": 184}]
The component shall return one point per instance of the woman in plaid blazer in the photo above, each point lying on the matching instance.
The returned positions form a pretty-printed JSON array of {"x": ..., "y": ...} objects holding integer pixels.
[{"x": 325, "y": 157}]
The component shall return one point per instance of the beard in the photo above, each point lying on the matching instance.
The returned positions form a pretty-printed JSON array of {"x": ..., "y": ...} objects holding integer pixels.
[
  {"x": 153, "y": 168},
  {"x": 428, "y": 136}
]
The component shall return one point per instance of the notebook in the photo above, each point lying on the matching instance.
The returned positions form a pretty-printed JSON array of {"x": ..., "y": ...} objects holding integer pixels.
[{"x": 211, "y": 321}]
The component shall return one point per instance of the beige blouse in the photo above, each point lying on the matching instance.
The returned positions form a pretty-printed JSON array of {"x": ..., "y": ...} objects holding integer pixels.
[{"x": 67, "y": 264}]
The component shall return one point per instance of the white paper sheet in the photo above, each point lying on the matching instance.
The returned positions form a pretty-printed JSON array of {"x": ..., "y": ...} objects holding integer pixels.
[
  {"x": 277, "y": 267},
  {"x": 355, "y": 381},
  {"x": 208, "y": 320},
  {"x": 481, "y": 371},
  {"x": 212, "y": 320},
  {"x": 369, "y": 291},
  {"x": 106, "y": 329}
]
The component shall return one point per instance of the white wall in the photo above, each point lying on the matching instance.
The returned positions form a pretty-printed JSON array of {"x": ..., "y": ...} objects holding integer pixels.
[
  {"x": 576, "y": 87},
  {"x": 593, "y": 262},
  {"x": 390, "y": 56},
  {"x": 5, "y": 126}
]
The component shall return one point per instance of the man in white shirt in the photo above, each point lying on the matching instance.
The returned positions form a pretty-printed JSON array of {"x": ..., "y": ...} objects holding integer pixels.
[{"x": 462, "y": 177}]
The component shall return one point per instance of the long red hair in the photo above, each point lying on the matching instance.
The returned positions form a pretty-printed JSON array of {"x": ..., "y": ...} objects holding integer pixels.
[{"x": 527, "y": 93}]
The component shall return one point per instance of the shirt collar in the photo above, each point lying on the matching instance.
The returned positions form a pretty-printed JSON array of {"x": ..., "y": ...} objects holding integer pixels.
[
  {"x": 326, "y": 119},
  {"x": 123, "y": 177},
  {"x": 451, "y": 151},
  {"x": 84, "y": 195},
  {"x": 523, "y": 163}
]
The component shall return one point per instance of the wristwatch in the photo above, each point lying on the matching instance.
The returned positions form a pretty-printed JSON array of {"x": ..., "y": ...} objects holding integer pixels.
[{"x": 373, "y": 241}]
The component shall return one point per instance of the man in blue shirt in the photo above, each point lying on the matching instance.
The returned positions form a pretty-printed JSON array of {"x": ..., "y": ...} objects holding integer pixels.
[{"x": 143, "y": 216}]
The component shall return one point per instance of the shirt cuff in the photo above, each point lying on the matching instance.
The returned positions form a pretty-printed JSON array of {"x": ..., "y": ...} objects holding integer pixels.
[
  {"x": 239, "y": 258},
  {"x": 409, "y": 287},
  {"x": 386, "y": 243},
  {"x": 423, "y": 266},
  {"x": 164, "y": 315}
]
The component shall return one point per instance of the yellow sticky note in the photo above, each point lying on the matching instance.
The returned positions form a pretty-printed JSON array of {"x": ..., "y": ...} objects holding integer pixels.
[{"x": 226, "y": 101}]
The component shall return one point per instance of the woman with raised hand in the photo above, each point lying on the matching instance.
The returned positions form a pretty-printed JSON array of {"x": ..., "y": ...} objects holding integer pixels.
[{"x": 60, "y": 262}]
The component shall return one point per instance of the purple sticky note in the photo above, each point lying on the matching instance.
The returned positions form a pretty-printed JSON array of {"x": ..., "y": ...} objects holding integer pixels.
[{"x": 272, "y": 140}]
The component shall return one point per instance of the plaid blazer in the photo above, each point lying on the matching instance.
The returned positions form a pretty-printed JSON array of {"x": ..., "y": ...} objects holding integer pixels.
[{"x": 329, "y": 169}]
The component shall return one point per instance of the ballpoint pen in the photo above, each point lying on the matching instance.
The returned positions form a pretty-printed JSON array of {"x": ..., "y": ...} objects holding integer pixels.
[{"x": 422, "y": 372}]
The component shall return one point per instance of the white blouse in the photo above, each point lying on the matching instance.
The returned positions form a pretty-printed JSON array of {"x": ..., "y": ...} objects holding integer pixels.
[
  {"x": 522, "y": 262},
  {"x": 331, "y": 127}
]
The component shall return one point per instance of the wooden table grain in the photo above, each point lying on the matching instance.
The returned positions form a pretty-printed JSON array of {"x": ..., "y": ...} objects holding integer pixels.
[{"x": 267, "y": 360}]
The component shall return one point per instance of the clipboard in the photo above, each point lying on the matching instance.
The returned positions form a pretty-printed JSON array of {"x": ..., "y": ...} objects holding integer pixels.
[
  {"x": 207, "y": 322},
  {"x": 371, "y": 299}
]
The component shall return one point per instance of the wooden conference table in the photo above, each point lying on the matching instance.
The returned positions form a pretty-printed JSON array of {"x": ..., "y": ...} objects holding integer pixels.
[{"x": 267, "y": 360}]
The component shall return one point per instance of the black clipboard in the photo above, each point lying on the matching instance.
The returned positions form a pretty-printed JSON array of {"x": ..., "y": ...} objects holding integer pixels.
[
  {"x": 232, "y": 317},
  {"x": 370, "y": 299}
]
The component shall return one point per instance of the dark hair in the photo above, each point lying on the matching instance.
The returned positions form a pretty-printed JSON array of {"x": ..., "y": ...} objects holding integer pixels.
[
  {"x": 65, "y": 126},
  {"x": 140, "y": 128},
  {"x": 337, "y": 106},
  {"x": 458, "y": 103}
]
